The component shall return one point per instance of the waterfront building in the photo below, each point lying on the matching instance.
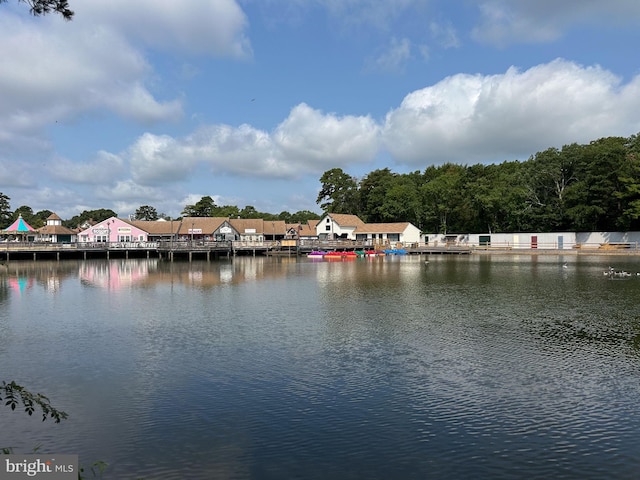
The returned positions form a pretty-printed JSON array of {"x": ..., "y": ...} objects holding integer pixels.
[
  {"x": 113, "y": 230},
  {"x": 55, "y": 232}
]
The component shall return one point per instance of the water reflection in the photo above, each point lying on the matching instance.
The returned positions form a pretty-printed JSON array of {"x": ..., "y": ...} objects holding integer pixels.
[{"x": 465, "y": 367}]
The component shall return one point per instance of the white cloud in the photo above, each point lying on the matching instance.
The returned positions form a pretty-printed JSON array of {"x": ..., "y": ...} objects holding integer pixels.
[
  {"x": 475, "y": 118},
  {"x": 393, "y": 58},
  {"x": 104, "y": 168},
  {"x": 306, "y": 141},
  {"x": 445, "y": 34},
  {"x": 50, "y": 75},
  {"x": 529, "y": 21},
  {"x": 53, "y": 71},
  {"x": 210, "y": 27}
]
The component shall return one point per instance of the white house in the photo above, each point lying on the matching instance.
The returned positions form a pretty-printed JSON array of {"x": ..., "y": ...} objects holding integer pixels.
[
  {"x": 388, "y": 233},
  {"x": 338, "y": 225}
]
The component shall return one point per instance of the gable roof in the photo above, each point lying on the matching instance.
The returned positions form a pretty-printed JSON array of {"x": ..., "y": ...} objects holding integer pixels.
[
  {"x": 243, "y": 224},
  {"x": 275, "y": 227},
  {"x": 305, "y": 229},
  {"x": 208, "y": 225},
  {"x": 345, "y": 220}
]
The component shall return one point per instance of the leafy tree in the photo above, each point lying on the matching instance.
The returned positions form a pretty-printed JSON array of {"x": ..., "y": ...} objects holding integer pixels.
[
  {"x": 43, "y": 7},
  {"x": 93, "y": 215},
  {"x": 303, "y": 216},
  {"x": 339, "y": 192},
  {"x": 203, "y": 208},
  {"x": 146, "y": 212},
  {"x": 373, "y": 189},
  {"x": 43, "y": 215},
  {"x": 249, "y": 211},
  {"x": 630, "y": 181},
  {"x": 441, "y": 194},
  {"x": 229, "y": 211},
  {"x": 400, "y": 203},
  {"x": 5, "y": 211},
  {"x": 28, "y": 216}
]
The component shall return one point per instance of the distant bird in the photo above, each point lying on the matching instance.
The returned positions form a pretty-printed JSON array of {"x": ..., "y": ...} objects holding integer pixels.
[{"x": 564, "y": 265}]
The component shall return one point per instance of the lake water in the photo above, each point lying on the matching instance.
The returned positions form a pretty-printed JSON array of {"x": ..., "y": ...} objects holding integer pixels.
[{"x": 484, "y": 367}]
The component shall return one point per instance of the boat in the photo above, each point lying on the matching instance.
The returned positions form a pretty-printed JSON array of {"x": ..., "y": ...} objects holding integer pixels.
[
  {"x": 316, "y": 254},
  {"x": 340, "y": 255}
]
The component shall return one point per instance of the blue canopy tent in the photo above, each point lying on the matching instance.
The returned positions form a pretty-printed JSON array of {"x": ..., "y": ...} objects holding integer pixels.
[{"x": 19, "y": 227}]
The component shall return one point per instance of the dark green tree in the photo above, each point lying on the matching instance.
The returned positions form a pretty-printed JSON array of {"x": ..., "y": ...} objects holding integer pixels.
[
  {"x": 5, "y": 211},
  {"x": 303, "y": 216},
  {"x": 373, "y": 190},
  {"x": 146, "y": 212},
  {"x": 43, "y": 215},
  {"x": 89, "y": 215},
  {"x": 229, "y": 211},
  {"x": 28, "y": 216},
  {"x": 249, "y": 211},
  {"x": 44, "y": 7},
  {"x": 339, "y": 192},
  {"x": 204, "y": 207}
]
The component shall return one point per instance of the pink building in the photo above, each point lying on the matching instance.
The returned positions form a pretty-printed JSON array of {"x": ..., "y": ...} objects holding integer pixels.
[{"x": 112, "y": 230}]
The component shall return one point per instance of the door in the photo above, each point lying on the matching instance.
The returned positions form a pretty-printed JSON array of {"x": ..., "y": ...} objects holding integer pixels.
[{"x": 534, "y": 241}]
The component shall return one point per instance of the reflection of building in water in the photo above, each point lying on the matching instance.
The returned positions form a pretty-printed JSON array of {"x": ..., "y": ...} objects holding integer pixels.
[
  {"x": 114, "y": 274},
  {"x": 20, "y": 284},
  {"x": 18, "y": 277}
]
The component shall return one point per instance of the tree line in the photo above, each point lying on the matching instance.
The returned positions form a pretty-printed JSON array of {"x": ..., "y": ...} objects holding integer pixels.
[{"x": 590, "y": 187}]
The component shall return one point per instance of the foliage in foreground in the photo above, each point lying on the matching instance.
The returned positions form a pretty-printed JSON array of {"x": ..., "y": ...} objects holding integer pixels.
[{"x": 13, "y": 395}]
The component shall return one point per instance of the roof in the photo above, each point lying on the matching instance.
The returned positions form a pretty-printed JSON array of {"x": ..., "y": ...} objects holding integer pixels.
[
  {"x": 305, "y": 229},
  {"x": 243, "y": 224},
  {"x": 55, "y": 230},
  {"x": 275, "y": 227},
  {"x": 19, "y": 226},
  {"x": 382, "y": 227},
  {"x": 208, "y": 225},
  {"x": 345, "y": 220},
  {"x": 53, "y": 216},
  {"x": 157, "y": 227}
]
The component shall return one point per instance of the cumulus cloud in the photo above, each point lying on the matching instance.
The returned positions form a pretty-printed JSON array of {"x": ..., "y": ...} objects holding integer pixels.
[
  {"x": 104, "y": 168},
  {"x": 53, "y": 71},
  {"x": 475, "y": 118},
  {"x": 529, "y": 21},
  {"x": 210, "y": 27},
  {"x": 306, "y": 141},
  {"x": 49, "y": 75}
]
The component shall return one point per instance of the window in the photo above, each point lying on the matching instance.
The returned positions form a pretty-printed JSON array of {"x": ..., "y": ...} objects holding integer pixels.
[{"x": 328, "y": 228}]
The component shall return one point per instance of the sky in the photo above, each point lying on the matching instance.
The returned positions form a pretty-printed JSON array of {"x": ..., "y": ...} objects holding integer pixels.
[{"x": 159, "y": 103}]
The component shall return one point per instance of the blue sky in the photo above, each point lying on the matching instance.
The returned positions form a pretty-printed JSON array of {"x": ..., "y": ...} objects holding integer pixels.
[{"x": 249, "y": 101}]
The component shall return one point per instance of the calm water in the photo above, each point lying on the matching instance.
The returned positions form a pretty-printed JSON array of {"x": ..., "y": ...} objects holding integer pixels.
[{"x": 477, "y": 367}]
